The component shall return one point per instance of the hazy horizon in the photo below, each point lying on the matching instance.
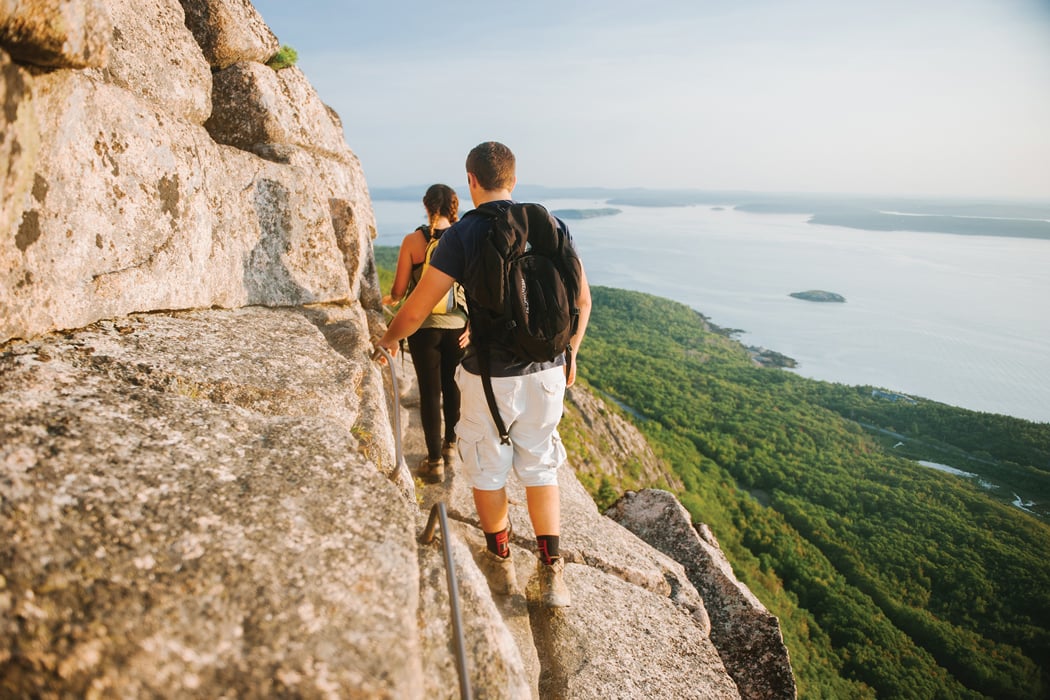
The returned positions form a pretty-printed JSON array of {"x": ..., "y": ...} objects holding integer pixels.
[
  {"x": 935, "y": 99},
  {"x": 416, "y": 190}
]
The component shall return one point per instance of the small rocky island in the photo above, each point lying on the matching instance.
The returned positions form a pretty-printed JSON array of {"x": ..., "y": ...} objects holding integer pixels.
[
  {"x": 818, "y": 295},
  {"x": 585, "y": 213}
]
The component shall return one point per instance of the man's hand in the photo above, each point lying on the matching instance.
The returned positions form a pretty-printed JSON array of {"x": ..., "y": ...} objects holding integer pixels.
[
  {"x": 570, "y": 368},
  {"x": 583, "y": 303},
  {"x": 380, "y": 346},
  {"x": 432, "y": 286}
]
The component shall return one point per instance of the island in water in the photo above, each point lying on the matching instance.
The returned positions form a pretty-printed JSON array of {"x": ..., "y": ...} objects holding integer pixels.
[
  {"x": 585, "y": 213},
  {"x": 818, "y": 295}
]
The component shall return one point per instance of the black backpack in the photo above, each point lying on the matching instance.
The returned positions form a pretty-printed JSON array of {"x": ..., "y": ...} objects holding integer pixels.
[{"x": 522, "y": 289}]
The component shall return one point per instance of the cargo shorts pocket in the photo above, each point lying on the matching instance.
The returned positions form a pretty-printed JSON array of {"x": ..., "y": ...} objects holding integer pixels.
[
  {"x": 483, "y": 462},
  {"x": 553, "y": 397}
]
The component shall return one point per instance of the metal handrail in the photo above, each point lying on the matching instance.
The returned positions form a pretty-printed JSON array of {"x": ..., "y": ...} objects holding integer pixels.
[
  {"x": 438, "y": 515},
  {"x": 399, "y": 454}
]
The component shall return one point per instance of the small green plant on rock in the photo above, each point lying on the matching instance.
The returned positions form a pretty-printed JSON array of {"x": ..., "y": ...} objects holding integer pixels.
[{"x": 284, "y": 58}]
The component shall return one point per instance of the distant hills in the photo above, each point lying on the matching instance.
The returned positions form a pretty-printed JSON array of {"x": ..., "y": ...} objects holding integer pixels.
[
  {"x": 975, "y": 217},
  {"x": 585, "y": 213}
]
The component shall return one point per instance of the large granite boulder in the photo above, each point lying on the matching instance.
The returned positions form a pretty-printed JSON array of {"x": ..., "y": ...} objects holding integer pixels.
[
  {"x": 747, "y": 635},
  {"x": 264, "y": 111},
  {"x": 172, "y": 77},
  {"x": 56, "y": 33},
  {"x": 126, "y": 219},
  {"x": 230, "y": 31}
]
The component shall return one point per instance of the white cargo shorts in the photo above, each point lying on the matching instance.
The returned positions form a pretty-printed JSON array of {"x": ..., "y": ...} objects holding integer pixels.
[{"x": 531, "y": 406}]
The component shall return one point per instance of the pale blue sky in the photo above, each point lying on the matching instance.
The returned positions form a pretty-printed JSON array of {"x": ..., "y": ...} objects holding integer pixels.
[{"x": 920, "y": 97}]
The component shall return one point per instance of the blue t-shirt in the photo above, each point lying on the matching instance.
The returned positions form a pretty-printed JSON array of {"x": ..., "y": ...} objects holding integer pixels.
[{"x": 457, "y": 245}]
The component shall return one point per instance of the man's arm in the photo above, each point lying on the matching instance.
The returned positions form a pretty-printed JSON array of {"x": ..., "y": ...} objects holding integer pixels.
[
  {"x": 583, "y": 303},
  {"x": 431, "y": 288}
]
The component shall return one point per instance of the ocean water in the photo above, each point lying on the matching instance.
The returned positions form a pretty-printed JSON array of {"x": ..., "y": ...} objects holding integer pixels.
[{"x": 964, "y": 320}]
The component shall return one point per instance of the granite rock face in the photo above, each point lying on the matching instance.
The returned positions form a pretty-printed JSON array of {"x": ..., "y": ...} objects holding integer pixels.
[
  {"x": 195, "y": 504},
  {"x": 19, "y": 148},
  {"x": 129, "y": 204}
]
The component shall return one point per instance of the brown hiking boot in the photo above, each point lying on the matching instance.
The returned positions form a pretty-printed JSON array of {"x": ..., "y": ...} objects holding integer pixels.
[
  {"x": 500, "y": 573},
  {"x": 553, "y": 591},
  {"x": 449, "y": 453},
  {"x": 432, "y": 470}
]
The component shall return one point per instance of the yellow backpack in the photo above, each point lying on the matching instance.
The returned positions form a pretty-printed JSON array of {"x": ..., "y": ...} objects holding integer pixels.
[{"x": 456, "y": 297}]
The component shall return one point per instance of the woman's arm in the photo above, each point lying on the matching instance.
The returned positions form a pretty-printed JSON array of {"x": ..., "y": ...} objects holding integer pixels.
[{"x": 412, "y": 247}]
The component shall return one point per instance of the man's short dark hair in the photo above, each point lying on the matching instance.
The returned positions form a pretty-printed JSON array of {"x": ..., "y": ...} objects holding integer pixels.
[{"x": 492, "y": 164}]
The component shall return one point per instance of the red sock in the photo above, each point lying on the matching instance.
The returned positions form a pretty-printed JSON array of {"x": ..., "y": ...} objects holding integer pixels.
[
  {"x": 499, "y": 542},
  {"x": 548, "y": 546}
]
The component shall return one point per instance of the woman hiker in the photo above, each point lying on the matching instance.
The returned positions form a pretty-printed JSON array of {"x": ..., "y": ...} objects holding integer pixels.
[{"x": 437, "y": 347}]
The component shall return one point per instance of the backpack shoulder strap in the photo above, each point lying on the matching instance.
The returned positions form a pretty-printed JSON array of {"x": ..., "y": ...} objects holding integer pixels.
[
  {"x": 431, "y": 245},
  {"x": 484, "y": 363}
]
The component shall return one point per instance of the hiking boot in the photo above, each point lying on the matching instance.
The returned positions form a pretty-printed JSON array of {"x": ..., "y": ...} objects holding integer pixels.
[
  {"x": 449, "y": 453},
  {"x": 500, "y": 573},
  {"x": 553, "y": 591},
  {"x": 432, "y": 470}
]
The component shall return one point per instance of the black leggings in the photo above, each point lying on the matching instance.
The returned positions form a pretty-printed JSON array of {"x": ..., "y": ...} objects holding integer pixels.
[{"x": 435, "y": 354}]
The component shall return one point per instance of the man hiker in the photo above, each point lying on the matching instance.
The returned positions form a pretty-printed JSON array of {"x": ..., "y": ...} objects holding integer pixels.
[{"x": 527, "y": 394}]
